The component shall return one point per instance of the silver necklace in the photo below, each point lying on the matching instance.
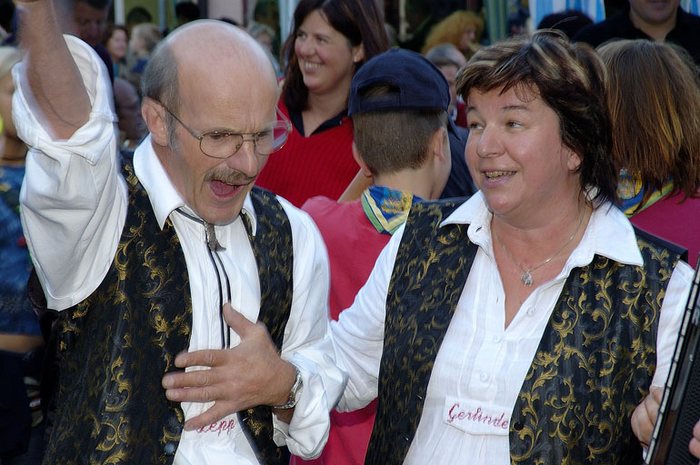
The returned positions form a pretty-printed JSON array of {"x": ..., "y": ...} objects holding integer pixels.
[{"x": 526, "y": 273}]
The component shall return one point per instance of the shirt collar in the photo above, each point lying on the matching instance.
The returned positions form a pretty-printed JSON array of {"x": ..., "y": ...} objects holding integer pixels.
[
  {"x": 298, "y": 121},
  {"x": 163, "y": 196},
  {"x": 386, "y": 208},
  {"x": 609, "y": 233}
]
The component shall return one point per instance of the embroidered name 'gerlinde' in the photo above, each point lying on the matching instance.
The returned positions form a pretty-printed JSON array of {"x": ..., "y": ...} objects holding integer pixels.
[{"x": 475, "y": 418}]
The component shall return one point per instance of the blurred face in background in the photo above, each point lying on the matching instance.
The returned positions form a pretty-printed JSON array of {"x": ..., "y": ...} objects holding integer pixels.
[
  {"x": 265, "y": 40},
  {"x": 469, "y": 37},
  {"x": 450, "y": 73},
  {"x": 91, "y": 22},
  {"x": 653, "y": 11},
  {"x": 117, "y": 45},
  {"x": 137, "y": 44}
]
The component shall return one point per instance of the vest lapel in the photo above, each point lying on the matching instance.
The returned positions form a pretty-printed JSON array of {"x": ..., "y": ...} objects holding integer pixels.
[
  {"x": 431, "y": 269},
  {"x": 272, "y": 246}
]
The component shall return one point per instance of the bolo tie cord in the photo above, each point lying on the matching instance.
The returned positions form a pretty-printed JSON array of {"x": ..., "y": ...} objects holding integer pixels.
[{"x": 213, "y": 249}]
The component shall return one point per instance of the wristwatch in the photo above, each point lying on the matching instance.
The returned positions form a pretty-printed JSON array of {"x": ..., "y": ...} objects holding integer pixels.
[{"x": 293, "y": 393}]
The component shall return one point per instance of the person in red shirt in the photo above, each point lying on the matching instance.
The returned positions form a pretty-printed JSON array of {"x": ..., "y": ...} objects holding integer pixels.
[{"x": 329, "y": 42}]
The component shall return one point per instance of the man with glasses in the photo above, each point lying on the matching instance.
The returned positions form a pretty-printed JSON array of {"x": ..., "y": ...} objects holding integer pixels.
[{"x": 147, "y": 262}]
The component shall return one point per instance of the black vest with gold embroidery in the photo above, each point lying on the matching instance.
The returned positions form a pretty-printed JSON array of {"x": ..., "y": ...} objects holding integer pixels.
[
  {"x": 594, "y": 363},
  {"x": 114, "y": 347}
]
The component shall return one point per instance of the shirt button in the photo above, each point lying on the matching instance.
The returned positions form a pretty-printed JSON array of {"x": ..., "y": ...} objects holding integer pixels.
[
  {"x": 497, "y": 339},
  {"x": 483, "y": 376},
  {"x": 530, "y": 311},
  {"x": 170, "y": 448}
]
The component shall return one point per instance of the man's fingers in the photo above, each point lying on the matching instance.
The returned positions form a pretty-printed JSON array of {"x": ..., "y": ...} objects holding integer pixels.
[
  {"x": 695, "y": 441},
  {"x": 203, "y": 394},
  {"x": 237, "y": 322},
  {"x": 652, "y": 409},
  {"x": 202, "y": 358},
  {"x": 643, "y": 421},
  {"x": 191, "y": 379}
]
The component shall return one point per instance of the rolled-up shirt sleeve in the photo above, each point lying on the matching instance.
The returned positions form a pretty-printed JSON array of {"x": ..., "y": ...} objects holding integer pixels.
[
  {"x": 358, "y": 335},
  {"x": 307, "y": 343},
  {"x": 73, "y": 200}
]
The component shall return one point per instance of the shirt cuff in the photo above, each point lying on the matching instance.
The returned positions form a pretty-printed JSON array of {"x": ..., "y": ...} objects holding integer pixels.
[{"x": 307, "y": 433}]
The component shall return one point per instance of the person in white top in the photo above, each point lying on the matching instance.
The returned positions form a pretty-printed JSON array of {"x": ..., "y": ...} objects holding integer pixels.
[
  {"x": 129, "y": 302},
  {"x": 526, "y": 324}
]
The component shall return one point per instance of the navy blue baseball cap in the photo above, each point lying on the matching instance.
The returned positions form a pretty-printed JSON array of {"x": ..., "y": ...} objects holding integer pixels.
[{"x": 415, "y": 83}]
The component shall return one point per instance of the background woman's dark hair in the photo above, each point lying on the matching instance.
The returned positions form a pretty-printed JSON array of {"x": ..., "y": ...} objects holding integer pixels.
[
  {"x": 360, "y": 21},
  {"x": 568, "y": 21},
  {"x": 570, "y": 79},
  {"x": 111, "y": 27}
]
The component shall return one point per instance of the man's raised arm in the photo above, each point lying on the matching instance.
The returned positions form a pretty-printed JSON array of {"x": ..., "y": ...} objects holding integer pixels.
[{"x": 52, "y": 75}]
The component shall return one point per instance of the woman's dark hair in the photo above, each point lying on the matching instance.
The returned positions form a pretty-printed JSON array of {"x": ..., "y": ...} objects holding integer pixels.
[
  {"x": 110, "y": 30},
  {"x": 360, "y": 21}
]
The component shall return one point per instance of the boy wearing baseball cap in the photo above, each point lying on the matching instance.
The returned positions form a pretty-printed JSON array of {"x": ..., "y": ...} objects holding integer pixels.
[{"x": 398, "y": 102}]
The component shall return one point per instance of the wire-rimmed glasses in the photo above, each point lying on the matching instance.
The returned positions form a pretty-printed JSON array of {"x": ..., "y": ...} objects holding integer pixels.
[{"x": 223, "y": 144}]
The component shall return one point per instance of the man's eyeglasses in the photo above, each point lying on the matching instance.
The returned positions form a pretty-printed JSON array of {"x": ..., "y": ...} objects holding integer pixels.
[{"x": 224, "y": 144}]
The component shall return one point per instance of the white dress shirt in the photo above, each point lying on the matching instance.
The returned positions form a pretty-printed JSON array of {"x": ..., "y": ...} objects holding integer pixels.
[
  {"x": 74, "y": 205},
  {"x": 482, "y": 363}
]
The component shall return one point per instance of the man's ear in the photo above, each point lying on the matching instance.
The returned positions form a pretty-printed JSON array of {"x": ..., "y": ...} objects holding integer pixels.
[
  {"x": 153, "y": 115},
  {"x": 361, "y": 162}
]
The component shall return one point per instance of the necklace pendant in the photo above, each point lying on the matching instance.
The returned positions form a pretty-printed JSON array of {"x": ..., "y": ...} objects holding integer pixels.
[{"x": 526, "y": 278}]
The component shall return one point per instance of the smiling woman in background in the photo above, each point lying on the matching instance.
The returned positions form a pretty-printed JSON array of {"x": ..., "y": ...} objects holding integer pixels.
[{"x": 331, "y": 39}]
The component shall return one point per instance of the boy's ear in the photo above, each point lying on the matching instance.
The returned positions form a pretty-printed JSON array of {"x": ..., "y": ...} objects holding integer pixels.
[
  {"x": 153, "y": 114},
  {"x": 361, "y": 162},
  {"x": 440, "y": 144}
]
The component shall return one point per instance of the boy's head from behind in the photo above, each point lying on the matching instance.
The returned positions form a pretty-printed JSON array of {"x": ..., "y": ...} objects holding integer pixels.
[{"x": 398, "y": 101}]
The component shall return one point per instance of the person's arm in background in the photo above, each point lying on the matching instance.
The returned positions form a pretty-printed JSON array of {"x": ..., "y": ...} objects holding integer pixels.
[
  {"x": 695, "y": 441},
  {"x": 354, "y": 190},
  {"x": 644, "y": 416},
  {"x": 73, "y": 198}
]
